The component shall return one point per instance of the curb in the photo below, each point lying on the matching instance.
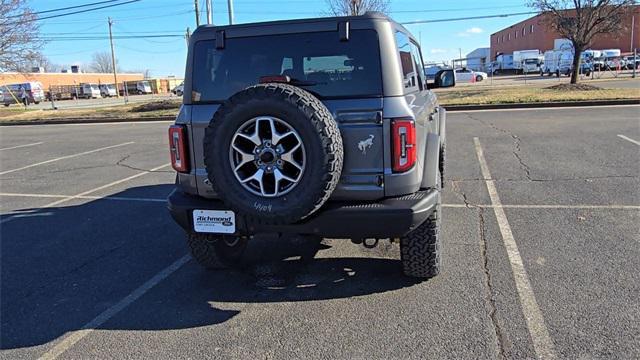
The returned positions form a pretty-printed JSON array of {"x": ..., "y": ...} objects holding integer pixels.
[
  {"x": 453, "y": 108},
  {"x": 85, "y": 121}
]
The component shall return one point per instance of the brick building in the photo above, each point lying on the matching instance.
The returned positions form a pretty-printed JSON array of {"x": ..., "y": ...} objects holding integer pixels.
[
  {"x": 64, "y": 78},
  {"x": 533, "y": 33}
]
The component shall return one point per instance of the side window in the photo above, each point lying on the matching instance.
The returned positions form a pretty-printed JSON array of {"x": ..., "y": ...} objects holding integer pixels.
[
  {"x": 406, "y": 59},
  {"x": 417, "y": 63},
  {"x": 287, "y": 64}
]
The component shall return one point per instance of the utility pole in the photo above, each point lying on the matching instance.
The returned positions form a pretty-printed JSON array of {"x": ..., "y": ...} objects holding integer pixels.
[
  {"x": 113, "y": 60},
  {"x": 187, "y": 35},
  {"x": 230, "y": 8},
  {"x": 209, "y": 12},
  {"x": 633, "y": 20},
  {"x": 195, "y": 2}
]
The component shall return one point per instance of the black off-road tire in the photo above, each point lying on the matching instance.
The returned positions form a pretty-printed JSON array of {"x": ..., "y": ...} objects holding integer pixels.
[
  {"x": 320, "y": 136},
  {"x": 212, "y": 252},
  {"x": 420, "y": 249}
]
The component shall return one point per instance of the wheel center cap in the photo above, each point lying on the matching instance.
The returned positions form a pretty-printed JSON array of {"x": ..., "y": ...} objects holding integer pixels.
[{"x": 268, "y": 156}]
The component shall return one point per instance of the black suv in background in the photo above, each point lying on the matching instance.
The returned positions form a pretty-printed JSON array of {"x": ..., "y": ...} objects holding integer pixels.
[{"x": 316, "y": 127}]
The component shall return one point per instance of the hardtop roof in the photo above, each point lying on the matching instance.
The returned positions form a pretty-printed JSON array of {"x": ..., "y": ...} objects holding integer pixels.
[{"x": 369, "y": 16}]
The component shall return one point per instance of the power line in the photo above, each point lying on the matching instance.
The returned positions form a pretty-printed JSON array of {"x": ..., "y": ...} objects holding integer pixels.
[
  {"x": 458, "y": 9},
  {"x": 72, "y": 13},
  {"x": 67, "y": 8},
  {"x": 102, "y": 32},
  {"x": 147, "y": 51},
  {"x": 119, "y": 37},
  {"x": 126, "y": 19},
  {"x": 467, "y": 18}
]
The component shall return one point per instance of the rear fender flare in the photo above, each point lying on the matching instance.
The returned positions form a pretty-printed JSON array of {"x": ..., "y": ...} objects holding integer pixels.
[
  {"x": 442, "y": 124},
  {"x": 431, "y": 161}
]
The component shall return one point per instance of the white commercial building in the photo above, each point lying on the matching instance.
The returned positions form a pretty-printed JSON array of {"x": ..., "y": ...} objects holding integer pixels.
[{"x": 478, "y": 59}]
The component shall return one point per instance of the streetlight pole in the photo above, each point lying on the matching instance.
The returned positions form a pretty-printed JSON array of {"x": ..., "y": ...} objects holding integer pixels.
[
  {"x": 195, "y": 3},
  {"x": 209, "y": 12},
  {"x": 230, "y": 8},
  {"x": 113, "y": 60}
]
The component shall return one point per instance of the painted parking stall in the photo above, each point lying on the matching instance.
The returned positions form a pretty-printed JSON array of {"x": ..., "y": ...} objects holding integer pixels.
[{"x": 96, "y": 267}]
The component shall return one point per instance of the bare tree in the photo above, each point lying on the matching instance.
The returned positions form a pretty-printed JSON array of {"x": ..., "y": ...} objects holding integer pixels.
[
  {"x": 356, "y": 7},
  {"x": 19, "y": 34},
  {"x": 101, "y": 62},
  {"x": 146, "y": 73},
  {"x": 581, "y": 20},
  {"x": 37, "y": 60}
]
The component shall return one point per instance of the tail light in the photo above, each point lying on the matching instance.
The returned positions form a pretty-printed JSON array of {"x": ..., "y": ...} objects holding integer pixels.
[
  {"x": 178, "y": 148},
  {"x": 403, "y": 133}
]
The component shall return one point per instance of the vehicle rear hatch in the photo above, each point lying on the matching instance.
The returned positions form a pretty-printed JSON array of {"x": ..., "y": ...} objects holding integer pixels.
[{"x": 345, "y": 75}]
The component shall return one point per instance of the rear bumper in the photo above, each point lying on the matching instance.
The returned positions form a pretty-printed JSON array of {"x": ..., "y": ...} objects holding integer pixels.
[{"x": 387, "y": 218}]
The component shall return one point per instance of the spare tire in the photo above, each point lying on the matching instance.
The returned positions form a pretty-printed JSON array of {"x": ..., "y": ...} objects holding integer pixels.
[{"x": 273, "y": 153}]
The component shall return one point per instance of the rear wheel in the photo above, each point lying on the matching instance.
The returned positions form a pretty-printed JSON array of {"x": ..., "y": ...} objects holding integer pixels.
[
  {"x": 420, "y": 249},
  {"x": 216, "y": 251}
]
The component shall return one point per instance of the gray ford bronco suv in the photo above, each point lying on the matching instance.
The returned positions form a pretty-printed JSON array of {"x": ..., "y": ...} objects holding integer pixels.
[{"x": 316, "y": 127}]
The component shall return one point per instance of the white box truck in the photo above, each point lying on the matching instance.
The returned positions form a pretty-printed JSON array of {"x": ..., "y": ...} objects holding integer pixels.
[
  {"x": 527, "y": 61},
  {"x": 504, "y": 62},
  {"x": 557, "y": 62}
]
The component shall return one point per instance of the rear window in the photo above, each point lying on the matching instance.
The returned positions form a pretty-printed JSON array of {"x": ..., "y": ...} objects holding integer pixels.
[{"x": 329, "y": 67}]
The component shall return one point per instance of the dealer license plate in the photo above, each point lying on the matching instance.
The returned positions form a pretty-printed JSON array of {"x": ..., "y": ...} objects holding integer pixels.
[{"x": 214, "y": 221}]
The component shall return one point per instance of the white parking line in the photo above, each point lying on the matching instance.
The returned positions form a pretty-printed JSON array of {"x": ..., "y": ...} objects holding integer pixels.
[
  {"x": 85, "y": 193},
  {"x": 65, "y": 157},
  {"x": 21, "y": 146},
  {"x": 546, "y": 206},
  {"x": 629, "y": 139},
  {"x": 547, "y": 108},
  {"x": 542, "y": 343},
  {"x": 77, "y": 335},
  {"x": 118, "y": 198},
  {"x": 93, "y": 124}
]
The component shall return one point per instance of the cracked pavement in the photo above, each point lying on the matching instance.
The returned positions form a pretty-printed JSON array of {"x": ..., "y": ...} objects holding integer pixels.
[{"x": 62, "y": 266}]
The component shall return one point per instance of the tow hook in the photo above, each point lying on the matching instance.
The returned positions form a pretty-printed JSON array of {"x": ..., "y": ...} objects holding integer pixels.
[{"x": 370, "y": 243}]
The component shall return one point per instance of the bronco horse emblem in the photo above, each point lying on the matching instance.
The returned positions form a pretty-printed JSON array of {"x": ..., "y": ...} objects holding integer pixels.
[{"x": 365, "y": 144}]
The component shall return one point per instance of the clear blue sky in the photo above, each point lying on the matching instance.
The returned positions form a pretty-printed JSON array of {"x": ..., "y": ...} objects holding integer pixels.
[{"x": 166, "y": 56}]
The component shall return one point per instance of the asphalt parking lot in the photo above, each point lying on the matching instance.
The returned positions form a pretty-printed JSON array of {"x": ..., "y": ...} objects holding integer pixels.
[{"x": 541, "y": 253}]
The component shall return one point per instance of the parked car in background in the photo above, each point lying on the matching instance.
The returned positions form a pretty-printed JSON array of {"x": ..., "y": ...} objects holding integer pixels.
[
  {"x": 430, "y": 71},
  {"x": 466, "y": 75},
  {"x": 598, "y": 63},
  {"x": 586, "y": 68},
  {"x": 615, "y": 63},
  {"x": 632, "y": 62},
  {"x": 107, "y": 90},
  {"x": 34, "y": 91},
  {"x": 89, "y": 91},
  {"x": 136, "y": 88},
  {"x": 178, "y": 90}
]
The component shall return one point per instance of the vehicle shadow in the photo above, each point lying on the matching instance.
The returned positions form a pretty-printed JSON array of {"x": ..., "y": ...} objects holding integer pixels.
[{"x": 63, "y": 266}]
